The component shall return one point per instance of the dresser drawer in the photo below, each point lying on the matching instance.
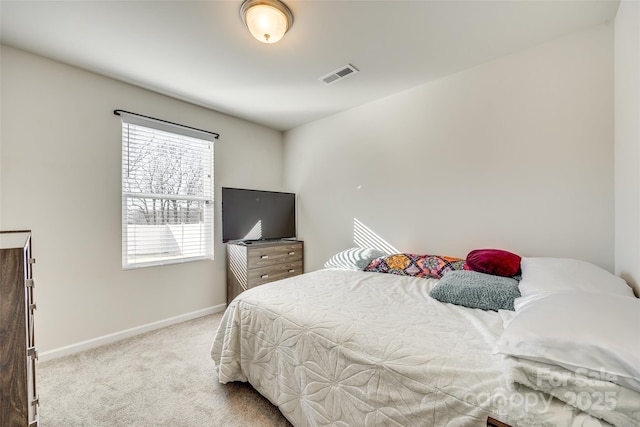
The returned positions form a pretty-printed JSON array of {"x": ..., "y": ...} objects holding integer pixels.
[
  {"x": 270, "y": 255},
  {"x": 259, "y": 276}
]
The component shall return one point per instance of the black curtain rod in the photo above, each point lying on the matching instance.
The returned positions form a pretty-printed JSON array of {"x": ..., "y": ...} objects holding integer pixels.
[{"x": 117, "y": 113}]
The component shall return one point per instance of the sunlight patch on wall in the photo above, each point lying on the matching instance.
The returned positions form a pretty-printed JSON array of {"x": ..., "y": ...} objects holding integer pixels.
[{"x": 365, "y": 237}]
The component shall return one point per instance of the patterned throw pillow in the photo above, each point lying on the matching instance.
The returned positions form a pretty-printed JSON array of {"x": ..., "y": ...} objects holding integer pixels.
[
  {"x": 406, "y": 264},
  {"x": 438, "y": 265}
]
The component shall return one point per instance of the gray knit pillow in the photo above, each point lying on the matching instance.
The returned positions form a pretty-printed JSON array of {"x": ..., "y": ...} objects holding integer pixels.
[{"x": 476, "y": 290}]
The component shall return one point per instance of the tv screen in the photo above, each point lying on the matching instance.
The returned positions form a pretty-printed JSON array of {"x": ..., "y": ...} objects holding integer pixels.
[{"x": 257, "y": 215}]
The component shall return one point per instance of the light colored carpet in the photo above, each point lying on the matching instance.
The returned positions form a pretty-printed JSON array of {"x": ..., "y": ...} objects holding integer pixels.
[{"x": 161, "y": 378}]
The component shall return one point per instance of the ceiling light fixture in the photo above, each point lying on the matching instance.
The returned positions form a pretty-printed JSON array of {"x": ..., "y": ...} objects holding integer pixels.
[{"x": 267, "y": 20}]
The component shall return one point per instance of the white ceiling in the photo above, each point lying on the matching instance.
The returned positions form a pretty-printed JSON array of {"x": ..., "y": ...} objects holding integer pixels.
[{"x": 201, "y": 52}]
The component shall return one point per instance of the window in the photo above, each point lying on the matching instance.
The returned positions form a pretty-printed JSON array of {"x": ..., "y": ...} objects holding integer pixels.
[{"x": 167, "y": 192}]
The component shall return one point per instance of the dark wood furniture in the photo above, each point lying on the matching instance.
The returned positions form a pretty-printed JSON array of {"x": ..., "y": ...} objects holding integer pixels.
[
  {"x": 491, "y": 422},
  {"x": 256, "y": 263},
  {"x": 18, "y": 353}
]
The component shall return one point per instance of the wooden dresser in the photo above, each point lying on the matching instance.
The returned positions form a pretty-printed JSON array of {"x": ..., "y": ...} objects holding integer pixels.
[
  {"x": 18, "y": 354},
  {"x": 257, "y": 263},
  {"x": 492, "y": 422}
]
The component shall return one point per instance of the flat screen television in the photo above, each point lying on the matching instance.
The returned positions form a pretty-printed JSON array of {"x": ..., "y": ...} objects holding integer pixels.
[{"x": 257, "y": 215}]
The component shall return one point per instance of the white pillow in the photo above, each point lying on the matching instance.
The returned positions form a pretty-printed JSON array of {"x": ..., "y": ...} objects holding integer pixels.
[
  {"x": 575, "y": 329},
  {"x": 353, "y": 259},
  {"x": 559, "y": 274}
]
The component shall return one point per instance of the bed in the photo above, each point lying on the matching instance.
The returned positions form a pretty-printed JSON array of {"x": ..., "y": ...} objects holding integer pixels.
[{"x": 354, "y": 348}]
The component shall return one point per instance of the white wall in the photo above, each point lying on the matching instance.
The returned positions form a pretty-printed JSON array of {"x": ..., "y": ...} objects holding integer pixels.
[
  {"x": 61, "y": 178},
  {"x": 627, "y": 143},
  {"x": 514, "y": 154}
]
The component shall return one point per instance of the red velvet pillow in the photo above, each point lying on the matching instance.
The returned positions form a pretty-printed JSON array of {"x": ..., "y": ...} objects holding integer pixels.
[{"x": 493, "y": 261}]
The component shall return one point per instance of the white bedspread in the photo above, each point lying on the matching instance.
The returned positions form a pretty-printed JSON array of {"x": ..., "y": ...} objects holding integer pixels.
[
  {"x": 587, "y": 390},
  {"x": 350, "y": 348}
]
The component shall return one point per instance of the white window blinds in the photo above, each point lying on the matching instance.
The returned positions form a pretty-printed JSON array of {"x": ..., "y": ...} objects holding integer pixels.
[{"x": 167, "y": 192}]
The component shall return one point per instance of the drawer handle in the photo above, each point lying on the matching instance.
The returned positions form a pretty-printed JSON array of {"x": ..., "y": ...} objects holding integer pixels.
[
  {"x": 292, "y": 253},
  {"x": 33, "y": 352},
  {"x": 30, "y": 283},
  {"x": 264, "y": 257},
  {"x": 292, "y": 271},
  {"x": 33, "y": 307},
  {"x": 264, "y": 276},
  {"x": 35, "y": 401},
  {"x": 32, "y": 260}
]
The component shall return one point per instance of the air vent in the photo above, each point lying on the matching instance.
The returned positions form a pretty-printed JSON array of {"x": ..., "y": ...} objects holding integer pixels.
[{"x": 338, "y": 74}]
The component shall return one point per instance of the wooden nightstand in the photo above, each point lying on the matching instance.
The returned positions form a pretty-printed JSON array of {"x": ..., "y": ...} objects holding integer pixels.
[
  {"x": 18, "y": 353},
  {"x": 257, "y": 263}
]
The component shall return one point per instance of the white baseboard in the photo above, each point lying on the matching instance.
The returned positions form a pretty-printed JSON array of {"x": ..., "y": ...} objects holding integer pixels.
[{"x": 106, "y": 339}]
